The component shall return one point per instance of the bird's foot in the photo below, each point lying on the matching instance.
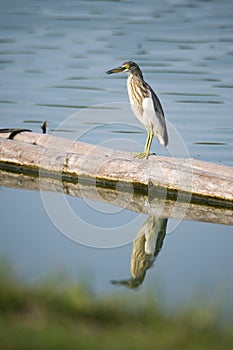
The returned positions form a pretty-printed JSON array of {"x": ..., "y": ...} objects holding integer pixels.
[{"x": 140, "y": 155}]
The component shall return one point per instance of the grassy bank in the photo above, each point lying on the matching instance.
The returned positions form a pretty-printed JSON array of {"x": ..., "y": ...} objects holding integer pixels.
[{"x": 50, "y": 317}]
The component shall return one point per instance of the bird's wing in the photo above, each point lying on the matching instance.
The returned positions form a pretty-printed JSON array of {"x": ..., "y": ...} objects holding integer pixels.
[{"x": 153, "y": 108}]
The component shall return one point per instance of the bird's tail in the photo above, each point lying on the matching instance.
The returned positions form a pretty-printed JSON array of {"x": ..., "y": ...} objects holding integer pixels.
[{"x": 163, "y": 139}]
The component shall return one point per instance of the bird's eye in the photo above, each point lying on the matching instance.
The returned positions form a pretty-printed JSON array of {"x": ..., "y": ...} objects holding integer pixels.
[{"x": 126, "y": 66}]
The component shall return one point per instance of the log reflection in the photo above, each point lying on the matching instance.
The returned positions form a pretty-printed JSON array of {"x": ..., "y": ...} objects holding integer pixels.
[{"x": 138, "y": 202}]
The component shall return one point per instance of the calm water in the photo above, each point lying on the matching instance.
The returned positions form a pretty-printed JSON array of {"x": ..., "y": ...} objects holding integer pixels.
[{"x": 53, "y": 56}]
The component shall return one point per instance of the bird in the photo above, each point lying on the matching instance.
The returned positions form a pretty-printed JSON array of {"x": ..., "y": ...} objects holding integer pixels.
[{"x": 145, "y": 104}]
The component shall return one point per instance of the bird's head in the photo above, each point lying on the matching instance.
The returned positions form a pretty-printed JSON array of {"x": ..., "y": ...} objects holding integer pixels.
[{"x": 129, "y": 67}]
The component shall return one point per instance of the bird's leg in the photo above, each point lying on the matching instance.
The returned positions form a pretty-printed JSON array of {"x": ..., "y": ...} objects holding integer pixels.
[
  {"x": 145, "y": 154},
  {"x": 148, "y": 142}
]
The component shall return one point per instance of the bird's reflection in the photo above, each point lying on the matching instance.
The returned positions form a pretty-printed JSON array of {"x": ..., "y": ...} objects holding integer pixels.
[{"x": 146, "y": 247}]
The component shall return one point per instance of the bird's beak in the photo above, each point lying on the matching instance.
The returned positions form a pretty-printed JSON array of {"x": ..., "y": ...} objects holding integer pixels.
[{"x": 115, "y": 70}]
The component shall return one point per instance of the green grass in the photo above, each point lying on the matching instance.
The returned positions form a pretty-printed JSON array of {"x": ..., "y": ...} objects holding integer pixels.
[{"x": 69, "y": 317}]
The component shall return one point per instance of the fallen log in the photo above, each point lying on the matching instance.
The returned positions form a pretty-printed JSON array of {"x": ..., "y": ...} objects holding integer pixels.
[
  {"x": 137, "y": 202},
  {"x": 173, "y": 178}
]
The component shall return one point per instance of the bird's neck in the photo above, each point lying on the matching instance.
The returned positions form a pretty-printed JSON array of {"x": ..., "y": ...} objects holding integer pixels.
[
  {"x": 134, "y": 79},
  {"x": 137, "y": 74}
]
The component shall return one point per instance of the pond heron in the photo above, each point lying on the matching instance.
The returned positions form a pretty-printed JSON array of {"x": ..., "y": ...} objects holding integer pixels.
[{"x": 145, "y": 105}]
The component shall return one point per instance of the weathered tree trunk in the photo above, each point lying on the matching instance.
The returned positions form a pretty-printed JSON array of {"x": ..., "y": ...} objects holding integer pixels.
[{"x": 50, "y": 156}]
